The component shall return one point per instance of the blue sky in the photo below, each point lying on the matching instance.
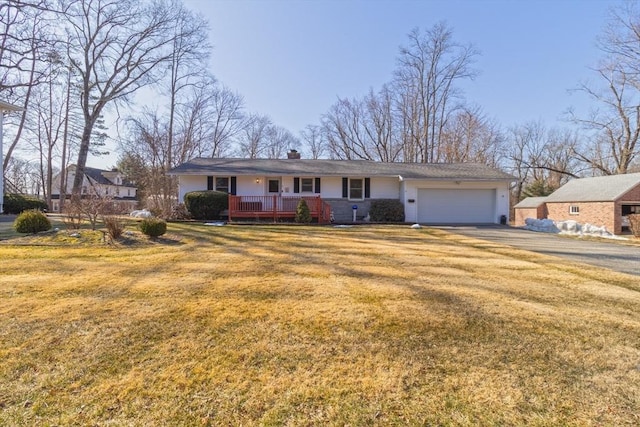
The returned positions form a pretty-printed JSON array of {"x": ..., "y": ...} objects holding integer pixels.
[{"x": 291, "y": 59}]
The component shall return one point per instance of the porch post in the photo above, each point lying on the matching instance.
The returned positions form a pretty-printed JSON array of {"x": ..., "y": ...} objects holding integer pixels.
[{"x": 275, "y": 208}]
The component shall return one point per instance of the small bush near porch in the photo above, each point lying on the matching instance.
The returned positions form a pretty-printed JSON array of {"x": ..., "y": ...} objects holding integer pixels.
[
  {"x": 268, "y": 325},
  {"x": 386, "y": 210}
]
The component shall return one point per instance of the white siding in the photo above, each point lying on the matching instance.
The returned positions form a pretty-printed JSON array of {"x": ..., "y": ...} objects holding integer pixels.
[
  {"x": 247, "y": 186},
  {"x": 385, "y": 188},
  {"x": 188, "y": 183}
]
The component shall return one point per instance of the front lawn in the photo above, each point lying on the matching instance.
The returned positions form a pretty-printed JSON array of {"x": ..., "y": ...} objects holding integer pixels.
[{"x": 296, "y": 325}]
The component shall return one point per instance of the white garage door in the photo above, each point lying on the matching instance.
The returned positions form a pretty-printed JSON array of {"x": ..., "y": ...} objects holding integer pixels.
[{"x": 456, "y": 206}]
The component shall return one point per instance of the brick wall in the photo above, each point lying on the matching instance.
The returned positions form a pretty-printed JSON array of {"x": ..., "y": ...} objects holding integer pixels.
[
  {"x": 521, "y": 214},
  {"x": 631, "y": 195},
  {"x": 343, "y": 209},
  {"x": 596, "y": 213}
]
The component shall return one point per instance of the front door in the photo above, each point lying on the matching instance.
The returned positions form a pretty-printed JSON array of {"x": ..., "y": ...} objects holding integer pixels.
[{"x": 273, "y": 186}]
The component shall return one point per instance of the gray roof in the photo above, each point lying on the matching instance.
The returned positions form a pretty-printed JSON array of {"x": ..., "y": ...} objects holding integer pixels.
[
  {"x": 96, "y": 175},
  {"x": 323, "y": 167},
  {"x": 530, "y": 202},
  {"x": 596, "y": 189}
]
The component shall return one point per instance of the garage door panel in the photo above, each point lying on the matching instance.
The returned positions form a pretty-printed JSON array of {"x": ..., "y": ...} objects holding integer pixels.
[{"x": 456, "y": 206}]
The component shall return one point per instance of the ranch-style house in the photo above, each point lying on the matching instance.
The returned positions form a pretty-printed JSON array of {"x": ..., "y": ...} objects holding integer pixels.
[{"x": 432, "y": 193}]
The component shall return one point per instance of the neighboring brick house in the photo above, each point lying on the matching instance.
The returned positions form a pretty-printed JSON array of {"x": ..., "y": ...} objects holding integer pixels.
[
  {"x": 98, "y": 182},
  {"x": 531, "y": 207},
  {"x": 601, "y": 201}
]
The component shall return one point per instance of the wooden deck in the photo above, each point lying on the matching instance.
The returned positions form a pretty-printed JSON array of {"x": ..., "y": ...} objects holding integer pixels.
[{"x": 276, "y": 207}]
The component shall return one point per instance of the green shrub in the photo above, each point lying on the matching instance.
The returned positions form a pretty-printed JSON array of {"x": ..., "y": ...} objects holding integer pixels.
[
  {"x": 303, "y": 214},
  {"x": 204, "y": 205},
  {"x": 386, "y": 210},
  {"x": 32, "y": 221},
  {"x": 153, "y": 227},
  {"x": 114, "y": 226},
  {"x": 16, "y": 203}
]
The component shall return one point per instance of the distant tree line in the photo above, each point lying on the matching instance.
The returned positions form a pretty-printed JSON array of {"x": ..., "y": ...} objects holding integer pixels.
[{"x": 71, "y": 62}]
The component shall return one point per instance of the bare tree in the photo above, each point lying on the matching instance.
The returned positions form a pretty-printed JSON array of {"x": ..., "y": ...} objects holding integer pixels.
[
  {"x": 22, "y": 176},
  {"x": 116, "y": 47},
  {"x": 253, "y": 139},
  {"x": 363, "y": 129},
  {"x": 189, "y": 52},
  {"x": 615, "y": 128},
  {"x": 342, "y": 126},
  {"x": 425, "y": 85},
  {"x": 540, "y": 158},
  {"x": 145, "y": 161},
  {"x": 24, "y": 42},
  {"x": 228, "y": 119},
  {"x": 471, "y": 137},
  {"x": 279, "y": 141},
  {"x": 615, "y": 125},
  {"x": 315, "y": 140},
  {"x": 526, "y": 142}
]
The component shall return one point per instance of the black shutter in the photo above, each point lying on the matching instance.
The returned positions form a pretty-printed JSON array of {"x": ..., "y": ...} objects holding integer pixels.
[
  {"x": 345, "y": 187},
  {"x": 318, "y": 185},
  {"x": 296, "y": 185},
  {"x": 233, "y": 186},
  {"x": 367, "y": 188},
  {"x": 209, "y": 183}
]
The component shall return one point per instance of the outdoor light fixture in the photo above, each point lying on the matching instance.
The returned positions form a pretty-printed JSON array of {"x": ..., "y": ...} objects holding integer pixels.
[{"x": 257, "y": 180}]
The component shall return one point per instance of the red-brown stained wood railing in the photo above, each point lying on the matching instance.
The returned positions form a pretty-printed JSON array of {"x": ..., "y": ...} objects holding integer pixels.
[{"x": 276, "y": 207}]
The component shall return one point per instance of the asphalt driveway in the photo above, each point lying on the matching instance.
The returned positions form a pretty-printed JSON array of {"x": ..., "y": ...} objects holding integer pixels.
[{"x": 611, "y": 255}]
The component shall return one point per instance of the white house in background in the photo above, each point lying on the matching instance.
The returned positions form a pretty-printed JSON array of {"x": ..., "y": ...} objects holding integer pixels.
[
  {"x": 98, "y": 182},
  {"x": 432, "y": 193}
]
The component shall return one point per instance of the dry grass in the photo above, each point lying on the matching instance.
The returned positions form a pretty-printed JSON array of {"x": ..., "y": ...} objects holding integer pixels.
[{"x": 314, "y": 326}]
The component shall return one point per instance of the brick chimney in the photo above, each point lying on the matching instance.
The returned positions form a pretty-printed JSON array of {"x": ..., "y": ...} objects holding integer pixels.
[{"x": 293, "y": 154}]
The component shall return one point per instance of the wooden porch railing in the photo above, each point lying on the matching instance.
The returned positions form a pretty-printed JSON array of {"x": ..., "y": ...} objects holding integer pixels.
[{"x": 276, "y": 207}]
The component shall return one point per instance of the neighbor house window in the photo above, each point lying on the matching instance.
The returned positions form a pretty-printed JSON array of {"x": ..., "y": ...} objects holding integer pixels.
[
  {"x": 222, "y": 184},
  {"x": 306, "y": 185},
  {"x": 356, "y": 188},
  {"x": 574, "y": 210}
]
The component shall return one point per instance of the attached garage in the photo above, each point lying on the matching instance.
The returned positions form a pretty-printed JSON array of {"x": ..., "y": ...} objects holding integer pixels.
[{"x": 456, "y": 206}]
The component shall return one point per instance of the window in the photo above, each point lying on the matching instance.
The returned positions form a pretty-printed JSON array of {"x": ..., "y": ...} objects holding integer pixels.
[
  {"x": 274, "y": 185},
  {"x": 306, "y": 185},
  {"x": 574, "y": 210},
  {"x": 356, "y": 188},
  {"x": 128, "y": 192},
  {"x": 222, "y": 184}
]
